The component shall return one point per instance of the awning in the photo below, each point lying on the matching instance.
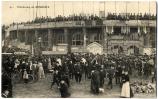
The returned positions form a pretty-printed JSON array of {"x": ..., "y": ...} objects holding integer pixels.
[{"x": 54, "y": 52}]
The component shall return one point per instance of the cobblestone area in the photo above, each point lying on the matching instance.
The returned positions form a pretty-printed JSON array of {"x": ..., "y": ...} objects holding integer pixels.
[{"x": 41, "y": 89}]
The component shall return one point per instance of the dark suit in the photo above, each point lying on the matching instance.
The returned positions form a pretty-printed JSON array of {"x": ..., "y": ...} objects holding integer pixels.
[
  {"x": 95, "y": 82},
  {"x": 78, "y": 73}
]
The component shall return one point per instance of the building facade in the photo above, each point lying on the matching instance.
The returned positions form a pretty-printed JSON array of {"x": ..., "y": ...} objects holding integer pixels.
[{"x": 102, "y": 37}]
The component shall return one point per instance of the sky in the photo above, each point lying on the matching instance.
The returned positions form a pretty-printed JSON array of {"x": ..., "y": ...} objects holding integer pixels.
[{"x": 22, "y": 11}]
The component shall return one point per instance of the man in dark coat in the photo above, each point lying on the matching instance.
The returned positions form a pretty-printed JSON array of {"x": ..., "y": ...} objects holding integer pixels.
[
  {"x": 86, "y": 67},
  {"x": 71, "y": 69},
  {"x": 78, "y": 72},
  {"x": 102, "y": 76},
  {"x": 64, "y": 89},
  {"x": 95, "y": 81}
]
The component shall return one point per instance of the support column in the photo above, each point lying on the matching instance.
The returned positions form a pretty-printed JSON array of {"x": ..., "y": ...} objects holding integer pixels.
[
  {"x": 66, "y": 39},
  {"x": 53, "y": 41},
  {"x": 7, "y": 34},
  {"x": 66, "y": 34},
  {"x": 112, "y": 30},
  {"x": 144, "y": 29},
  {"x": 49, "y": 38},
  {"x": 105, "y": 44},
  {"x": 138, "y": 29},
  {"x": 35, "y": 46},
  {"x": 107, "y": 29},
  {"x": 18, "y": 35},
  {"x": 128, "y": 29},
  {"x": 36, "y": 35},
  {"x": 84, "y": 38},
  {"x": 26, "y": 36}
]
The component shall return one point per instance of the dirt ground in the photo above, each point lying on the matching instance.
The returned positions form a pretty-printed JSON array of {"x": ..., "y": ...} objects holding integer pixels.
[{"x": 41, "y": 89}]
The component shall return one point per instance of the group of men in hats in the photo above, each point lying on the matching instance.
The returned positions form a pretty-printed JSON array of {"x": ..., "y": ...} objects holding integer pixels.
[{"x": 93, "y": 67}]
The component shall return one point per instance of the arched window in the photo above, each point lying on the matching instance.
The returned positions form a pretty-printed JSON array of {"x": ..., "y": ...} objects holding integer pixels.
[{"x": 77, "y": 39}]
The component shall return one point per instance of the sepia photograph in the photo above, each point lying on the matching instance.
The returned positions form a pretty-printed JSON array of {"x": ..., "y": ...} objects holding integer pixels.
[{"x": 79, "y": 49}]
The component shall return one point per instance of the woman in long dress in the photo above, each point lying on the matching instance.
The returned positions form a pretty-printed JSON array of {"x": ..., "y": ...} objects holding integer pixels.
[
  {"x": 125, "y": 92},
  {"x": 40, "y": 71}
]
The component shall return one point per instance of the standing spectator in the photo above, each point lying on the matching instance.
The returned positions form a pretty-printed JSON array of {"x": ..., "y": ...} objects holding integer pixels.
[
  {"x": 25, "y": 76},
  {"x": 30, "y": 67},
  {"x": 102, "y": 76},
  {"x": 86, "y": 66},
  {"x": 40, "y": 71},
  {"x": 95, "y": 81},
  {"x": 71, "y": 69},
  {"x": 78, "y": 72},
  {"x": 35, "y": 70},
  {"x": 45, "y": 65}
]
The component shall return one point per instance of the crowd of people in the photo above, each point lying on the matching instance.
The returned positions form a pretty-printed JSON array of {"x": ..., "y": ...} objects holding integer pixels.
[
  {"x": 80, "y": 17},
  {"x": 130, "y": 16},
  {"x": 78, "y": 66}
]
